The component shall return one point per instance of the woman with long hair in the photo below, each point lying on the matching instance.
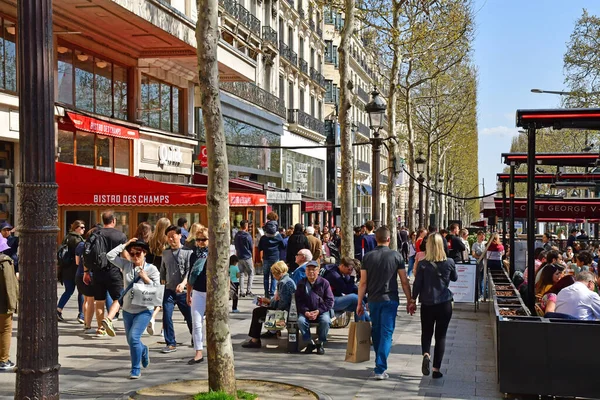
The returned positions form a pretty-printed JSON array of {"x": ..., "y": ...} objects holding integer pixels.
[
  {"x": 551, "y": 274},
  {"x": 156, "y": 245},
  {"x": 83, "y": 280},
  {"x": 143, "y": 232},
  {"x": 190, "y": 243},
  {"x": 493, "y": 252},
  {"x": 68, "y": 272},
  {"x": 436, "y": 271},
  {"x": 412, "y": 252},
  {"x": 196, "y": 292}
]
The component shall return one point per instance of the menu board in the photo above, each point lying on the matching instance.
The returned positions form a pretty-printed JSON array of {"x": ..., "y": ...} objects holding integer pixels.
[{"x": 464, "y": 288}]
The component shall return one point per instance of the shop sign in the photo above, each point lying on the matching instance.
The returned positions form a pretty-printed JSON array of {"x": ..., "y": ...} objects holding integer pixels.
[
  {"x": 94, "y": 125},
  {"x": 246, "y": 200},
  {"x": 134, "y": 199},
  {"x": 283, "y": 197},
  {"x": 554, "y": 209},
  {"x": 315, "y": 206},
  {"x": 302, "y": 177},
  {"x": 169, "y": 155},
  {"x": 203, "y": 157}
]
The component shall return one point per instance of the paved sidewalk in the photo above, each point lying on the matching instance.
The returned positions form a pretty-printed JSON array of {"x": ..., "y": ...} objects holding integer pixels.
[{"x": 98, "y": 368}]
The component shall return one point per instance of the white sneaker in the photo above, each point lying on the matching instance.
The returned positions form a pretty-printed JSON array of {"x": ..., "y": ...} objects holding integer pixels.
[
  {"x": 150, "y": 328},
  {"x": 381, "y": 377}
]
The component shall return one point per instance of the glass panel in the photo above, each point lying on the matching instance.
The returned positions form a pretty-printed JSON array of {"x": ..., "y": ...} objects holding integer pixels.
[
  {"x": 154, "y": 104},
  {"x": 145, "y": 99},
  {"x": 104, "y": 151},
  {"x": 2, "y": 61},
  {"x": 84, "y": 81},
  {"x": 122, "y": 156},
  {"x": 120, "y": 88},
  {"x": 10, "y": 54},
  {"x": 123, "y": 223},
  {"x": 65, "y": 75},
  {"x": 176, "y": 110},
  {"x": 235, "y": 217},
  {"x": 103, "y": 87},
  {"x": 192, "y": 218},
  {"x": 85, "y": 149},
  {"x": 150, "y": 218},
  {"x": 165, "y": 107},
  {"x": 89, "y": 217},
  {"x": 65, "y": 142}
]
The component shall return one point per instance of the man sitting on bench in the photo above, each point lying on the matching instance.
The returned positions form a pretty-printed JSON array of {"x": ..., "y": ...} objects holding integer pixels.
[
  {"x": 314, "y": 300},
  {"x": 343, "y": 287}
]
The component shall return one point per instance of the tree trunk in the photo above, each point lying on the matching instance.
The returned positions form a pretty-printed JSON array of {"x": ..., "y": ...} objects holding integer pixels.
[
  {"x": 411, "y": 163},
  {"x": 391, "y": 112},
  {"x": 346, "y": 94},
  {"x": 37, "y": 344},
  {"x": 221, "y": 371}
]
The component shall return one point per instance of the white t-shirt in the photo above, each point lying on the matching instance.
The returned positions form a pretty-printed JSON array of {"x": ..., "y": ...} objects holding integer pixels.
[{"x": 578, "y": 301}]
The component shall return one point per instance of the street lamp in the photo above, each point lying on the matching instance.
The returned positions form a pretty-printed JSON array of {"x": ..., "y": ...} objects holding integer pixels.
[
  {"x": 376, "y": 110},
  {"x": 420, "y": 161}
]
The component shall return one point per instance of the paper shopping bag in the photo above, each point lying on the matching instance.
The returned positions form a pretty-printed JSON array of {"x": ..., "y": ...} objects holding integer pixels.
[{"x": 359, "y": 342}]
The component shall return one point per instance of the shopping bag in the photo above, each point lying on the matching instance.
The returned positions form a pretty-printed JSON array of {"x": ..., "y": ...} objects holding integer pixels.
[
  {"x": 359, "y": 342},
  {"x": 275, "y": 320},
  {"x": 147, "y": 295}
]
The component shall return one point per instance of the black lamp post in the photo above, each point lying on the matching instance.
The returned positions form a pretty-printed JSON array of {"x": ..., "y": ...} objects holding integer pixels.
[
  {"x": 420, "y": 161},
  {"x": 376, "y": 110}
]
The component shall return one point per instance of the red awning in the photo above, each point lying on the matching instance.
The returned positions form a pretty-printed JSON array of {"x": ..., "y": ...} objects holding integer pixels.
[
  {"x": 554, "y": 209},
  {"x": 481, "y": 223},
  {"x": 316, "y": 206},
  {"x": 81, "y": 186},
  {"x": 94, "y": 125}
]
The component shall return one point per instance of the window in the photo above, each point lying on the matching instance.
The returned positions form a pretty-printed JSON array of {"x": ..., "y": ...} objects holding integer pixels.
[
  {"x": 281, "y": 87},
  {"x": 91, "y": 150},
  {"x": 8, "y": 56},
  {"x": 329, "y": 91},
  {"x": 320, "y": 110},
  {"x": 290, "y": 95},
  {"x": 312, "y": 105},
  {"x": 160, "y": 104},
  {"x": 329, "y": 51},
  {"x": 288, "y": 173},
  {"x": 91, "y": 84},
  {"x": 301, "y": 99},
  {"x": 335, "y": 56},
  {"x": 301, "y": 47}
]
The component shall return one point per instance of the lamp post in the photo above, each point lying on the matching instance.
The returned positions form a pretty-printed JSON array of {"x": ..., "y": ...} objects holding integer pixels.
[
  {"x": 376, "y": 110},
  {"x": 420, "y": 161}
]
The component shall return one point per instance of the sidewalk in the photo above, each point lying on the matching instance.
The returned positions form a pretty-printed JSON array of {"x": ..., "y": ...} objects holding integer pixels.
[{"x": 98, "y": 368}]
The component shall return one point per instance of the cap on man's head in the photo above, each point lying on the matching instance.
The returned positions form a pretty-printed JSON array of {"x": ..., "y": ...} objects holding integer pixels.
[
  {"x": 5, "y": 225},
  {"x": 312, "y": 264},
  {"x": 310, "y": 230}
]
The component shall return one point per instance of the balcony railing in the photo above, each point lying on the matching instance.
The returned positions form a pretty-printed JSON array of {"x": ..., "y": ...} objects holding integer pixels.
[
  {"x": 311, "y": 24},
  {"x": 301, "y": 118},
  {"x": 255, "y": 95},
  {"x": 254, "y": 25},
  {"x": 363, "y": 129},
  {"x": 239, "y": 12},
  {"x": 243, "y": 15},
  {"x": 317, "y": 77},
  {"x": 300, "y": 11},
  {"x": 230, "y": 7},
  {"x": 363, "y": 166},
  {"x": 269, "y": 35},
  {"x": 319, "y": 31},
  {"x": 288, "y": 54},
  {"x": 303, "y": 66},
  {"x": 363, "y": 95}
]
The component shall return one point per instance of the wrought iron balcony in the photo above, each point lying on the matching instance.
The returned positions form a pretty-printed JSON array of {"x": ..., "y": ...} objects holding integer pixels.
[
  {"x": 363, "y": 129},
  {"x": 243, "y": 15},
  {"x": 231, "y": 7},
  {"x": 254, "y": 25},
  {"x": 363, "y": 166},
  {"x": 255, "y": 95},
  {"x": 301, "y": 118},
  {"x": 269, "y": 35},
  {"x": 239, "y": 12},
  {"x": 301, "y": 11},
  {"x": 288, "y": 54},
  {"x": 311, "y": 24},
  {"x": 303, "y": 66},
  {"x": 363, "y": 95},
  {"x": 319, "y": 31},
  {"x": 317, "y": 77}
]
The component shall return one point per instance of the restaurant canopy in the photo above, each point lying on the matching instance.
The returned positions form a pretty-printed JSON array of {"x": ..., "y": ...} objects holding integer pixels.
[
  {"x": 552, "y": 178},
  {"x": 556, "y": 159},
  {"x": 554, "y": 209}
]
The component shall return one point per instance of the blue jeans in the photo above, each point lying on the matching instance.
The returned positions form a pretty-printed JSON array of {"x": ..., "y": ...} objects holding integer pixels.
[
  {"x": 69, "y": 290},
  {"x": 324, "y": 321},
  {"x": 269, "y": 289},
  {"x": 383, "y": 319},
  {"x": 170, "y": 299},
  {"x": 135, "y": 325},
  {"x": 411, "y": 264},
  {"x": 349, "y": 303}
]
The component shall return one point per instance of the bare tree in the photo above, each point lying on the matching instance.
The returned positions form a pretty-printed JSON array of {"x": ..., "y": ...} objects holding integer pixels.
[
  {"x": 221, "y": 371},
  {"x": 346, "y": 98}
]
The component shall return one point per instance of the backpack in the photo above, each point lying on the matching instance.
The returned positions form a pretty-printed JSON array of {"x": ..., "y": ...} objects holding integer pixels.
[
  {"x": 94, "y": 252},
  {"x": 64, "y": 257}
]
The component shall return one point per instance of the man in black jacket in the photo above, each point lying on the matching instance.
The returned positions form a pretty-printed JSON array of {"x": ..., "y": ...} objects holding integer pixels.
[
  {"x": 455, "y": 245},
  {"x": 345, "y": 291},
  {"x": 296, "y": 242}
]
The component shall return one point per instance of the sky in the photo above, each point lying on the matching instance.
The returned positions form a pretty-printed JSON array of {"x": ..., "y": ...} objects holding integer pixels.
[{"x": 519, "y": 45}]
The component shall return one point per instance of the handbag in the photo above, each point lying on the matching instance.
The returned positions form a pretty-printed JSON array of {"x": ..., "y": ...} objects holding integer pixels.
[
  {"x": 144, "y": 295},
  {"x": 275, "y": 320}
]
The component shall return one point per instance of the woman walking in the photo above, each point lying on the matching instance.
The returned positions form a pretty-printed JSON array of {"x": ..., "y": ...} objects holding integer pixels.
[
  {"x": 196, "y": 292},
  {"x": 135, "y": 318},
  {"x": 431, "y": 287},
  {"x": 157, "y": 243},
  {"x": 68, "y": 272},
  {"x": 83, "y": 280}
]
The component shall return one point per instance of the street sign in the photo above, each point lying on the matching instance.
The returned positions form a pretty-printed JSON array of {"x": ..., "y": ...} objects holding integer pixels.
[{"x": 203, "y": 156}]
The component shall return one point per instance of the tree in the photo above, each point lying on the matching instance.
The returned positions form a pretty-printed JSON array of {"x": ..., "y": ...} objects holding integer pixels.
[
  {"x": 346, "y": 98},
  {"x": 221, "y": 371}
]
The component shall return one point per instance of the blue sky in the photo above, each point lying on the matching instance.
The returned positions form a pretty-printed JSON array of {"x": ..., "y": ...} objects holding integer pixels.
[{"x": 519, "y": 45}]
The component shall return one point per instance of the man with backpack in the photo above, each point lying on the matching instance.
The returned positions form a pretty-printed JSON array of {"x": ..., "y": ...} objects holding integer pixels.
[
  {"x": 105, "y": 276},
  {"x": 345, "y": 291}
]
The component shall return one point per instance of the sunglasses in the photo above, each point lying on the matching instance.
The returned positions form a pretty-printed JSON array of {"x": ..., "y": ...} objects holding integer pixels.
[
  {"x": 135, "y": 253},
  {"x": 201, "y": 239},
  {"x": 81, "y": 227}
]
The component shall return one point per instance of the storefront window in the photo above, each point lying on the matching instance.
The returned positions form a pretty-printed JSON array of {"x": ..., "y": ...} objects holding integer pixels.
[
  {"x": 8, "y": 56},
  {"x": 123, "y": 223},
  {"x": 91, "y": 83},
  {"x": 192, "y": 218},
  {"x": 151, "y": 218},
  {"x": 89, "y": 217},
  {"x": 307, "y": 174},
  {"x": 94, "y": 151},
  {"x": 160, "y": 104}
]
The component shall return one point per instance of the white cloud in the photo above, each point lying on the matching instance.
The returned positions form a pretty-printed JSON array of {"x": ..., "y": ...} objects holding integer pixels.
[
  {"x": 500, "y": 131},
  {"x": 510, "y": 116}
]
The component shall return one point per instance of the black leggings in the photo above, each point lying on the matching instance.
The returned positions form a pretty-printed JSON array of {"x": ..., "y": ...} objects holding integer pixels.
[{"x": 438, "y": 315}]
